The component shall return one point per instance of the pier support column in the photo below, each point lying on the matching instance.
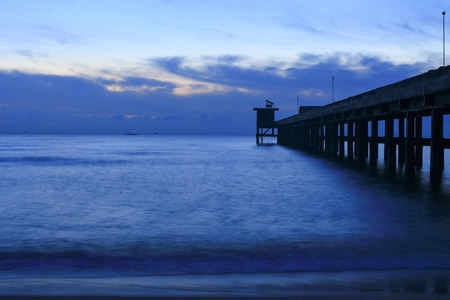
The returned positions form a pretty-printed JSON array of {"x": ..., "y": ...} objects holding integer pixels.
[
  {"x": 294, "y": 140},
  {"x": 390, "y": 142},
  {"x": 322, "y": 137},
  {"x": 305, "y": 136},
  {"x": 294, "y": 135},
  {"x": 315, "y": 137},
  {"x": 401, "y": 140},
  {"x": 418, "y": 141},
  {"x": 350, "y": 140},
  {"x": 362, "y": 139},
  {"x": 410, "y": 140},
  {"x": 257, "y": 136},
  {"x": 327, "y": 138},
  {"x": 341, "y": 139},
  {"x": 308, "y": 136},
  {"x": 386, "y": 149},
  {"x": 309, "y": 132},
  {"x": 374, "y": 141},
  {"x": 302, "y": 136},
  {"x": 320, "y": 142},
  {"x": 437, "y": 141},
  {"x": 356, "y": 138},
  {"x": 334, "y": 138}
]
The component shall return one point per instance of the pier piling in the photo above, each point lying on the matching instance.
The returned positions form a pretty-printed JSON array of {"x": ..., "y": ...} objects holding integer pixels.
[{"x": 374, "y": 141}]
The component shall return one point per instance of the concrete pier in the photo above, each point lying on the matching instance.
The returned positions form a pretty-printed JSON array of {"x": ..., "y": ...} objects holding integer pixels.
[{"x": 342, "y": 128}]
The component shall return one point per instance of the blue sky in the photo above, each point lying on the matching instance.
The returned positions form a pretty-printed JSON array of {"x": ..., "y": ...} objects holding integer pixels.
[{"x": 199, "y": 67}]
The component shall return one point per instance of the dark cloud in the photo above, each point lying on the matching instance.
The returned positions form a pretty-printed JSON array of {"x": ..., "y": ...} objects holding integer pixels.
[
  {"x": 138, "y": 84},
  {"x": 139, "y": 81},
  {"x": 229, "y": 59},
  {"x": 353, "y": 74},
  {"x": 105, "y": 82},
  {"x": 47, "y": 90},
  {"x": 170, "y": 64}
]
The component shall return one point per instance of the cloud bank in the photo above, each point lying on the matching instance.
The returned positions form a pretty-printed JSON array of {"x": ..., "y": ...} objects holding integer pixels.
[{"x": 210, "y": 95}]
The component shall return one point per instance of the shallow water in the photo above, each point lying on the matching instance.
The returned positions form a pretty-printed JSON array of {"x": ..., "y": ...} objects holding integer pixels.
[{"x": 117, "y": 206}]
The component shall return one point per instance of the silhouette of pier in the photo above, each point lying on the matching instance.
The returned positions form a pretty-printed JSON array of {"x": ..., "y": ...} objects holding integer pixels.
[{"x": 353, "y": 127}]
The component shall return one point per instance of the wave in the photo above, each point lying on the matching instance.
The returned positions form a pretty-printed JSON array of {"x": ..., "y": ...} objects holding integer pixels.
[
  {"x": 151, "y": 261},
  {"x": 58, "y": 161},
  {"x": 390, "y": 284},
  {"x": 14, "y": 149}
]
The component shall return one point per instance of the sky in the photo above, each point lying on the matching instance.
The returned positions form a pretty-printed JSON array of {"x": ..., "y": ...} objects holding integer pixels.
[{"x": 199, "y": 67}]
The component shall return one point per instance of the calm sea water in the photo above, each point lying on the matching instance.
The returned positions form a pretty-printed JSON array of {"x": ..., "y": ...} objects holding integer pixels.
[{"x": 116, "y": 205}]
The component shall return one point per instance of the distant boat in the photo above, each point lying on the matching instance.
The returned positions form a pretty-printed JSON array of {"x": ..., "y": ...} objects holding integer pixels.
[
  {"x": 154, "y": 132},
  {"x": 134, "y": 132}
]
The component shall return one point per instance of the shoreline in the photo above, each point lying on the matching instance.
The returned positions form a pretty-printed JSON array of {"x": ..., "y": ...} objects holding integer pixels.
[
  {"x": 303, "y": 297},
  {"x": 373, "y": 284}
]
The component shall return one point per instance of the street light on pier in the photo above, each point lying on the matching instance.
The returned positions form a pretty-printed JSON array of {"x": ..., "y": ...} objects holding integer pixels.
[
  {"x": 332, "y": 89},
  {"x": 443, "y": 38}
]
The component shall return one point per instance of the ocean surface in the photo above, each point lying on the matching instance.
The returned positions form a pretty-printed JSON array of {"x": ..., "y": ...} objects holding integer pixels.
[{"x": 117, "y": 206}]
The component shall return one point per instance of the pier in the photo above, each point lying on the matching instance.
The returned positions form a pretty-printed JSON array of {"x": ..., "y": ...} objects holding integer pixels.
[{"x": 391, "y": 115}]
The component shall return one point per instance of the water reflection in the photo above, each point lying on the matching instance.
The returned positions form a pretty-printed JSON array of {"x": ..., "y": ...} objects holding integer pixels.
[{"x": 436, "y": 183}]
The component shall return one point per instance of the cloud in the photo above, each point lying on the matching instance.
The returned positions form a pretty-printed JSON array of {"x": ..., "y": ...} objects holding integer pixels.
[
  {"x": 23, "y": 52},
  {"x": 29, "y": 54},
  {"x": 301, "y": 26},
  {"x": 139, "y": 81},
  {"x": 406, "y": 26},
  {"x": 310, "y": 92},
  {"x": 312, "y": 72},
  {"x": 54, "y": 33},
  {"x": 138, "y": 85},
  {"x": 223, "y": 75}
]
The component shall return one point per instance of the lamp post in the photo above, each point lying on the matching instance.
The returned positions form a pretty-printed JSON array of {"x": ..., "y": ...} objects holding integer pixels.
[
  {"x": 443, "y": 38},
  {"x": 332, "y": 89}
]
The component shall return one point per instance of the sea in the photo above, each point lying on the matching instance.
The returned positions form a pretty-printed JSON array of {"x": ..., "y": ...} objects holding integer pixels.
[{"x": 148, "y": 214}]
